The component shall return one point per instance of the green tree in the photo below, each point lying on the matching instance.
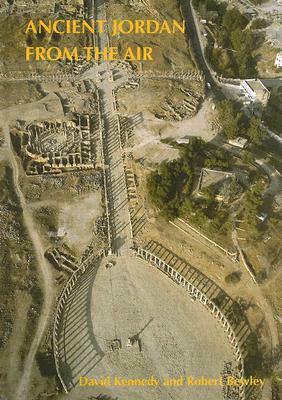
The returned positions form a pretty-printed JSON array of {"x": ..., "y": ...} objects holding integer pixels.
[
  {"x": 237, "y": 39},
  {"x": 230, "y": 119},
  {"x": 253, "y": 204},
  {"x": 169, "y": 185},
  {"x": 248, "y": 157},
  {"x": 223, "y": 38},
  {"x": 246, "y": 64},
  {"x": 234, "y": 277},
  {"x": 242, "y": 40},
  {"x": 196, "y": 3},
  {"x": 255, "y": 131},
  {"x": 187, "y": 207},
  {"x": 233, "y": 19},
  {"x": 243, "y": 43},
  {"x": 259, "y": 23},
  {"x": 211, "y": 5}
]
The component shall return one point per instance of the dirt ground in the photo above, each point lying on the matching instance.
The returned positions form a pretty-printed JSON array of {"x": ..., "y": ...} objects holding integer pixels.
[
  {"x": 29, "y": 327},
  {"x": 71, "y": 201},
  {"x": 147, "y": 144},
  {"x": 15, "y": 41},
  {"x": 19, "y": 283},
  {"x": 48, "y": 107},
  {"x": 76, "y": 216},
  {"x": 168, "y": 50},
  {"x": 44, "y": 188},
  {"x": 78, "y": 219},
  {"x": 153, "y": 95},
  {"x": 272, "y": 289},
  {"x": 12, "y": 354},
  {"x": 17, "y": 93}
]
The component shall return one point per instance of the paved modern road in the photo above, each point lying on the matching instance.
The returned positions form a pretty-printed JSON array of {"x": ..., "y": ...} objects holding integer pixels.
[{"x": 193, "y": 32}]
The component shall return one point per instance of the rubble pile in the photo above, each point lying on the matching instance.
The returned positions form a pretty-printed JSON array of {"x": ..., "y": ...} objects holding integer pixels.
[
  {"x": 26, "y": 7},
  {"x": 229, "y": 392},
  {"x": 89, "y": 182},
  {"x": 144, "y": 7},
  {"x": 62, "y": 259},
  {"x": 215, "y": 125},
  {"x": 101, "y": 228},
  {"x": 131, "y": 186},
  {"x": 10, "y": 231},
  {"x": 79, "y": 66},
  {"x": 126, "y": 130},
  {"x": 184, "y": 109},
  {"x": 70, "y": 8},
  {"x": 177, "y": 75}
]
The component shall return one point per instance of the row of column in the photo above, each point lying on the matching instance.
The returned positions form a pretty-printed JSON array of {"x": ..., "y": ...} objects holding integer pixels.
[
  {"x": 120, "y": 145},
  {"x": 193, "y": 291},
  {"x": 59, "y": 309},
  {"x": 62, "y": 300},
  {"x": 54, "y": 77},
  {"x": 106, "y": 202}
]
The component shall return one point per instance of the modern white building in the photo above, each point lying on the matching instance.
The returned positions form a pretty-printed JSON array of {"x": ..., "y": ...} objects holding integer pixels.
[
  {"x": 278, "y": 60},
  {"x": 239, "y": 142},
  {"x": 256, "y": 91},
  {"x": 183, "y": 141}
]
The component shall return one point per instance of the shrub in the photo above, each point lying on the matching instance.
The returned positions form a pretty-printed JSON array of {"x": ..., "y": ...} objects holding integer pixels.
[{"x": 234, "y": 277}]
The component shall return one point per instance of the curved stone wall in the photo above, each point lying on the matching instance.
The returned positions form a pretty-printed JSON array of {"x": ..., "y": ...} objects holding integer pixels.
[{"x": 60, "y": 306}]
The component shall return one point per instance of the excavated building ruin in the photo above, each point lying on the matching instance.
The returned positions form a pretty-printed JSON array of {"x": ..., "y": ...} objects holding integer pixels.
[{"x": 52, "y": 147}]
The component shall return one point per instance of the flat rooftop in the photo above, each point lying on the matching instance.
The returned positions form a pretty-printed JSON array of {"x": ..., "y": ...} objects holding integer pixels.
[
  {"x": 256, "y": 85},
  {"x": 210, "y": 177}
]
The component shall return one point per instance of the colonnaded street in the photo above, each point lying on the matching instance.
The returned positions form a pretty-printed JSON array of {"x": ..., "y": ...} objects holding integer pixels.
[
  {"x": 123, "y": 318},
  {"x": 140, "y": 201},
  {"x": 120, "y": 236}
]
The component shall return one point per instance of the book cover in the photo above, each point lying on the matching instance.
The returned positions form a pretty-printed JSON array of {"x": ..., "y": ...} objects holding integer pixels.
[{"x": 140, "y": 187}]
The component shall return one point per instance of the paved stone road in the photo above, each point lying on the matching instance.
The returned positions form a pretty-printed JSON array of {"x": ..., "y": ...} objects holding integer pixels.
[{"x": 102, "y": 74}]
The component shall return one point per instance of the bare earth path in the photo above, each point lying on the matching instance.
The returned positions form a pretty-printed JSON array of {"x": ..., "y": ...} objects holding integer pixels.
[
  {"x": 22, "y": 306},
  {"x": 44, "y": 268}
]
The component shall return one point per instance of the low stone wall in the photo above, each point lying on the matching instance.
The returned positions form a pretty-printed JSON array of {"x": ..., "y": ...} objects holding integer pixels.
[
  {"x": 189, "y": 75},
  {"x": 209, "y": 304},
  {"x": 233, "y": 255},
  {"x": 21, "y": 76}
]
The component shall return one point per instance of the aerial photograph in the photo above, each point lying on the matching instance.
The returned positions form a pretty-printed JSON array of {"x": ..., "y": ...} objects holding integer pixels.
[{"x": 140, "y": 199}]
